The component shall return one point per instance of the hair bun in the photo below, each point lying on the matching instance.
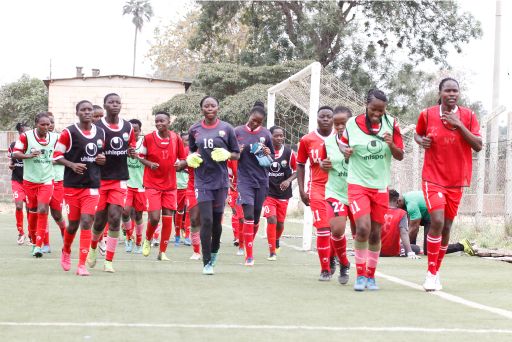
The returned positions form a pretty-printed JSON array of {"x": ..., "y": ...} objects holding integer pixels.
[{"x": 259, "y": 104}]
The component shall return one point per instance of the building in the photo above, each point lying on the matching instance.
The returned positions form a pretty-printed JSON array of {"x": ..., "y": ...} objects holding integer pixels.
[{"x": 139, "y": 95}]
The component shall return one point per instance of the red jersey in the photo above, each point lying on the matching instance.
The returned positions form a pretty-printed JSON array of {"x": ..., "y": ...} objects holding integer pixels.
[
  {"x": 390, "y": 232},
  {"x": 165, "y": 152},
  {"x": 310, "y": 148},
  {"x": 448, "y": 161},
  {"x": 361, "y": 123}
]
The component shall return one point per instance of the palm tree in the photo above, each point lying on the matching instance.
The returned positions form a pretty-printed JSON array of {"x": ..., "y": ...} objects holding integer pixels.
[{"x": 142, "y": 11}]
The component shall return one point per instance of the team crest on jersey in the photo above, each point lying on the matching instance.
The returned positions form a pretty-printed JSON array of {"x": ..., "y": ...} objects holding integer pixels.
[
  {"x": 262, "y": 140},
  {"x": 99, "y": 143},
  {"x": 116, "y": 143},
  {"x": 275, "y": 167},
  {"x": 284, "y": 163},
  {"x": 374, "y": 146},
  {"x": 222, "y": 134},
  {"x": 125, "y": 136},
  {"x": 91, "y": 149}
]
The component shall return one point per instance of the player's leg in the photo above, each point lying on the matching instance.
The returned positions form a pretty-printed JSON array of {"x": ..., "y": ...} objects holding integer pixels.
[
  {"x": 338, "y": 240},
  {"x": 281, "y": 216},
  {"x": 126, "y": 218},
  {"x": 114, "y": 228},
  {"x": 270, "y": 213},
  {"x": 186, "y": 227},
  {"x": 206, "y": 213},
  {"x": 195, "y": 225},
  {"x": 218, "y": 211},
  {"x": 154, "y": 207},
  {"x": 44, "y": 194},
  {"x": 247, "y": 199},
  {"x": 379, "y": 206},
  {"x": 56, "y": 206},
  {"x": 100, "y": 221},
  {"x": 18, "y": 195},
  {"x": 259, "y": 199},
  {"x": 167, "y": 215},
  {"x": 319, "y": 209},
  {"x": 73, "y": 209}
]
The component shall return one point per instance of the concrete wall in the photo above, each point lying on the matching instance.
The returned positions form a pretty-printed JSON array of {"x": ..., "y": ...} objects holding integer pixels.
[
  {"x": 138, "y": 96},
  {"x": 5, "y": 178}
]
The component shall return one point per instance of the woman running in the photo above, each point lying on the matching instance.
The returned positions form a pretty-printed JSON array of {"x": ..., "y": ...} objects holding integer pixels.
[
  {"x": 255, "y": 159},
  {"x": 448, "y": 133},
  {"x": 371, "y": 140},
  {"x": 212, "y": 142}
]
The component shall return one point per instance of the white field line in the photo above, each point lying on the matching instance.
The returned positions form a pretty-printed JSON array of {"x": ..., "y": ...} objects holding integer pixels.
[
  {"x": 441, "y": 294},
  {"x": 255, "y": 327}
]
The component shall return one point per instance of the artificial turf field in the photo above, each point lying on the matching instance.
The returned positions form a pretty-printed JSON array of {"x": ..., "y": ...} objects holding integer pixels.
[{"x": 147, "y": 300}]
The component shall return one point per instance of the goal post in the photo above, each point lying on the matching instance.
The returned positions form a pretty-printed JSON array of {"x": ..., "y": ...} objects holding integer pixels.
[{"x": 293, "y": 105}]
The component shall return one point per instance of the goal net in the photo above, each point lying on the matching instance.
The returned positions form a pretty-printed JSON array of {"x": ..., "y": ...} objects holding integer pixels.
[{"x": 293, "y": 105}]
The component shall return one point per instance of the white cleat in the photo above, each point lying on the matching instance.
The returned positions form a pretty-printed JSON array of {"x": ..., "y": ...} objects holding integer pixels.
[
  {"x": 195, "y": 256},
  {"x": 439, "y": 287},
  {"x": 430, "y": 282}
]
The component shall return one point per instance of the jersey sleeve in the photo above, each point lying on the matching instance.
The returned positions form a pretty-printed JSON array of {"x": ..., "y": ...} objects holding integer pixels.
[
  {"x": 413, "y": 210},
  {"x": 421, "y": 125},
  {"x": 63, "y": 145},
  {"x": 397, "y": 136},
  {"x": 293, "y": 161},
  {"x": 181, "y": 153},
  {"x": 344, "y": 138},
  {"x": 21, "y": 144},
  {"x": 270, "y": 145},
  {"x": 323, "y": 153},
  {"x": 302, "y": 153},
  {"x": 143, "y": 150},
  {"x": 191, "y": 141},
  {"x": 475, "y": 126},
  {"x": 232, "y": 141}
]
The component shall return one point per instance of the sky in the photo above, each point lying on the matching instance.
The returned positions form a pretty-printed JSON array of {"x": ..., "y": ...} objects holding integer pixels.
[{"x": 95, "y": 34}]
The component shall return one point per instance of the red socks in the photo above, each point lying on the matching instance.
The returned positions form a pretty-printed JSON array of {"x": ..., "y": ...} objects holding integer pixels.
[
  {"x": 95, "y": 239},
  {"x": 323, "y": 246},
  {"x": 187, "y": 225},
  {"x": 340, "y": 249},
  {"x": 46, "y": 240},
  {"x": 440, "y": 257},
  {"x": 42, "y": 221},
  {"x": 85, "y": 241},
  {"x": 19, "y": 221},
  {"x": 32, "y": 226},
  {"x": 150, "y": 230},
  {"x": 138, "y": 233},
  {"x": 234, "y": 226},
  {"x": 279, "y": 230},
  {"x": 240, "y": 234},
  {"x": 166, "y": 232},
  {"x": 433, "y": 246},
  {"x": 178, "y": 224},
  {"x": 248, "y": 238},
  {"x": 68, "y": 241},
  {"x": 196, "y": 242},
  {"x": 271, "y": 237},
  {"x": 111, "y": 248},
  {"x": 256, "y": 227},
  {"x": 373, "y": 259}
]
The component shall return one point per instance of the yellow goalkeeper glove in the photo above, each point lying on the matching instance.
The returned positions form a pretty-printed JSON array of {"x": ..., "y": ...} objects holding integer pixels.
[
  {"x": 194, "y": 160},
  {"x": 220, "y": 154}
]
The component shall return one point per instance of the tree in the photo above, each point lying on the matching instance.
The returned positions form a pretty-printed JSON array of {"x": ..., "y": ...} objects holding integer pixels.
[
  {"x": 173, "y": 58},
  {"x": 20, "y": 101},
  {"x": 141, "y": 11},
  {"x": 237, "y": 88},
  {"x": 360, "y": 40}
]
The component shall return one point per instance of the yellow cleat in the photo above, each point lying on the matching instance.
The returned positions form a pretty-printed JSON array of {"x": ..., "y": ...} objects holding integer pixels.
[
  {"x": 91, "y": 257},
  {"x": 146, "y": 248},
  {"x": 468, "y": 249},
  {"x": 107, "y": 267}
]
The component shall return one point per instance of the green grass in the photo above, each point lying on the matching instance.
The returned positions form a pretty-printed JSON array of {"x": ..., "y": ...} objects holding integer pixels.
[{"x": 285, "y": 292}]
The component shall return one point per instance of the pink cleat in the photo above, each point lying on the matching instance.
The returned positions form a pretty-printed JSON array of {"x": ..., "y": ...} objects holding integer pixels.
[
  {"x": 65, "y": 261},
  {"x": 82, "y": 271}
]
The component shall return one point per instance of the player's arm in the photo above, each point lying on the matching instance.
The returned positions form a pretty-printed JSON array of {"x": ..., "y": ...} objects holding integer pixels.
[
  {"x": 302, "y": 156},
  {"x": 63, "y": 145},
  {"x": 395, "y": 142},
  {"x": 293, "y": 165},
  {"x": 20, "y": 149},
  {"x": 472, "y": 138},
  {"x": 404, "y": 236},
  {"x": 9, "y": 156},
  {"x": 420, "y": 136},
  {"x": 132, "y": 144},
  {"x": 233, "y": 145},
  {"x": 141, "y": 156}
]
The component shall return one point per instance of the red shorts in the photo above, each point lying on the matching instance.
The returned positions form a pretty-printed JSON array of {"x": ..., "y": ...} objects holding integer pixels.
[
  {"x": 18, "y": 192},
  {"x": 191, "y": 199},
  {"x": 440, "y": 198},
  {"x": 337, "y": 208},
  {"x": 320, "y": 210},
  {"x": 80, "y": 201},
  {"x": 57, "y": 196},
  {"x": 275, "y": 207},
  {"x": 112, "y": 192},
  {"x": 136, "y": 198},
  {"x": 182, "y": 200},
  {"x": 158, "y": 199},
  {"x": 365, "y": 201},
  {"x": 37, "y": 193}
]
